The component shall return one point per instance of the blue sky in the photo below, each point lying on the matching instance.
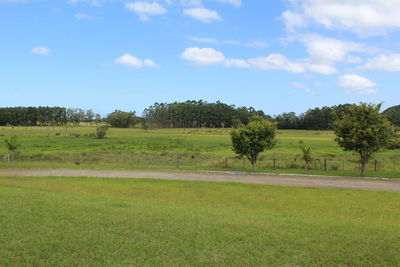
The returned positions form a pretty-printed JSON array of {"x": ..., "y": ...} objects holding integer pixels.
[{"x": 277, "y": 56}]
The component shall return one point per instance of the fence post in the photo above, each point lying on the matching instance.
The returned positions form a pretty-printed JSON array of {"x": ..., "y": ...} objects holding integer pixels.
[
  {"x": 243, "y": 164},
  {"x": 375, "y": 166},
  {"x": 177, "y": 161},
  {"x": 394, "y": 165},
  {"x": 226, "y": 163},
  {"x": 274, "y": 165},
  {"x": 324, "y": 164}
]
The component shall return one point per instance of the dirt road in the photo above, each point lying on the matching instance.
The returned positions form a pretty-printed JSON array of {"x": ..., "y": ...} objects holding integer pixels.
[{"x": 271, "y": 179}]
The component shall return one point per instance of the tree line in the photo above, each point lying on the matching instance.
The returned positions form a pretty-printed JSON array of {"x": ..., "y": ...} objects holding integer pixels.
[
  {"x": 197, "y": 114},
  {"x": 45, "y": 116},
  {"x": 188, "y": 114}
]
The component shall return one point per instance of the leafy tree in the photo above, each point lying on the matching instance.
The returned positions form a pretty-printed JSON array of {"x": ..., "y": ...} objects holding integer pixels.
[
  {"x": 121, "y": 119},
  {"x": 249, "y": 141},
  {"x": 363, "y": 130},
  {"x": 12, "y": 146},
  {"x": 307, "y": 157},
  {"x": 393, "y": 115}
]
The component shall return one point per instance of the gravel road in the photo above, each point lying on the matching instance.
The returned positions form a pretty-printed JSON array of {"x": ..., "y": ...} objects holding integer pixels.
[{"x": 270, "y": 179}]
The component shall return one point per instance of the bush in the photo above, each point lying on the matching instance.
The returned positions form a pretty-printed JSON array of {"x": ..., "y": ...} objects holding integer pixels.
[
  {"x": 334, "y": 167},
  {"x": 101, "y": 131}
]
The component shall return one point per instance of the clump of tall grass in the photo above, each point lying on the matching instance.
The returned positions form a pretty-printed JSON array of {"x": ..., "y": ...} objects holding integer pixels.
[{"x": 101, "y": 131}]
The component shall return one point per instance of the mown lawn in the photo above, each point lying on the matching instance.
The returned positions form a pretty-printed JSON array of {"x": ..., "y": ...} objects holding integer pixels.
[{"x": 122, "y": 222}]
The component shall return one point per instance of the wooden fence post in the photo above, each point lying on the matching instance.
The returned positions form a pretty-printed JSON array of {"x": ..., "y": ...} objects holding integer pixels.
[
  {"x": 177, "y": 161},
  {"x": 274, "y": 165},
  {"x": 376, "y": 165},
  {"x": 324, "y": 164},
  {"x": 226, "y": 163}
]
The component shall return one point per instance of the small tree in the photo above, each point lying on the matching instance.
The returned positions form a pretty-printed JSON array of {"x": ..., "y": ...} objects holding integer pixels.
[
  {"x": 145, "y": 124},
  {"x": 12, "y": 146},
  {"x": 363, "y": 130},
  {"x": 101, "y": 131},
  {"x": 307, "y": 157},
  {"x": 249, "y": 141}
]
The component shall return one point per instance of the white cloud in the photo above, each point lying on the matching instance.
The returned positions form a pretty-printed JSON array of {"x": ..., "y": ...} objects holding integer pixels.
[
  {"x": 383, "y": 63},
  {"x": 150, "y": 63},
  {"x": 135, "y": 62},
  {"x": 236, "y": 63},
  {"x": 276, "y": 62},
  {"x": 146, "y": 9},
  {"x": 357, "y": 83},
  {"x": 364, "y": 17},
  {"x": 209, "y": 56},
  {"x": 292, "y": 20},
  {"x": 203, "y": 14},
  {"x": 40, "y": 50},
  {"x": 320, "y": 68},
  {"x": 203, "y": 56},
  {"x": 323, "y": 50}
]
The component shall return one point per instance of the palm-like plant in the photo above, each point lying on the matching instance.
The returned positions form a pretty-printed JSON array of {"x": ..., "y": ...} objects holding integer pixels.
[
  {"x": 307, "y": 157},
  {"x": 12, "y": 146}
]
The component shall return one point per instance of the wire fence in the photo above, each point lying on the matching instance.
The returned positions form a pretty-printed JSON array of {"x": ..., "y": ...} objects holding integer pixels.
[{"x": 203, "y": 161}]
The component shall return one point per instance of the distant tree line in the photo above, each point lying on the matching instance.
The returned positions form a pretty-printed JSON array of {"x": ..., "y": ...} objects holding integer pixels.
[
  {"x": 323, "y": 118},
  {"x": 196, "y": 114},
  {"x": 313, "y": 119},
  {"x": 45, "y": 116},
  {"x": 188, "y": 114}
]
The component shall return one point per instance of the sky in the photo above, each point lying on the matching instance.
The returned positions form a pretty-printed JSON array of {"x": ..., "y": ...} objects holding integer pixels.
[{"x": 277, "y": 56}]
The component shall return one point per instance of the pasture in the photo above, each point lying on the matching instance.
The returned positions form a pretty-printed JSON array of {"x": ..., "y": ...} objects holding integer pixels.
[
  {"x": 210, "y": 149},
  {"x": 124, "y": 222}
]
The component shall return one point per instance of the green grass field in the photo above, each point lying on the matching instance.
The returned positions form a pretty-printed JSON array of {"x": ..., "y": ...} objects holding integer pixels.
[
  {"x": 44, "y": 147},
  {"x": 124, "y": 222}
]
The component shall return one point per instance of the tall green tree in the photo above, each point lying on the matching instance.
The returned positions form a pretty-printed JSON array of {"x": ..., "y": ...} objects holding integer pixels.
[
  {"x": 257, "y": 136},
  {"x": 363, "y": 130}
]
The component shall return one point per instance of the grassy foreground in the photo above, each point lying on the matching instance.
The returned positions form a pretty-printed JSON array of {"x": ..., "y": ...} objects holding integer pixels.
[{"x": 122, "y": 222}]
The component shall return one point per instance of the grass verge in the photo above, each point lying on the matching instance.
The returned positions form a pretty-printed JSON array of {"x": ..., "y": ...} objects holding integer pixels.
[{"x": 103, "y": 222}]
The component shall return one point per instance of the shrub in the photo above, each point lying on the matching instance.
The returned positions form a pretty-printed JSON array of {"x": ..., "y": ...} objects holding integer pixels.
[
  {"x": 335, "y": 167},
  {"x": 12, "y": 146},
  {"x": 101, "y": 131}
]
